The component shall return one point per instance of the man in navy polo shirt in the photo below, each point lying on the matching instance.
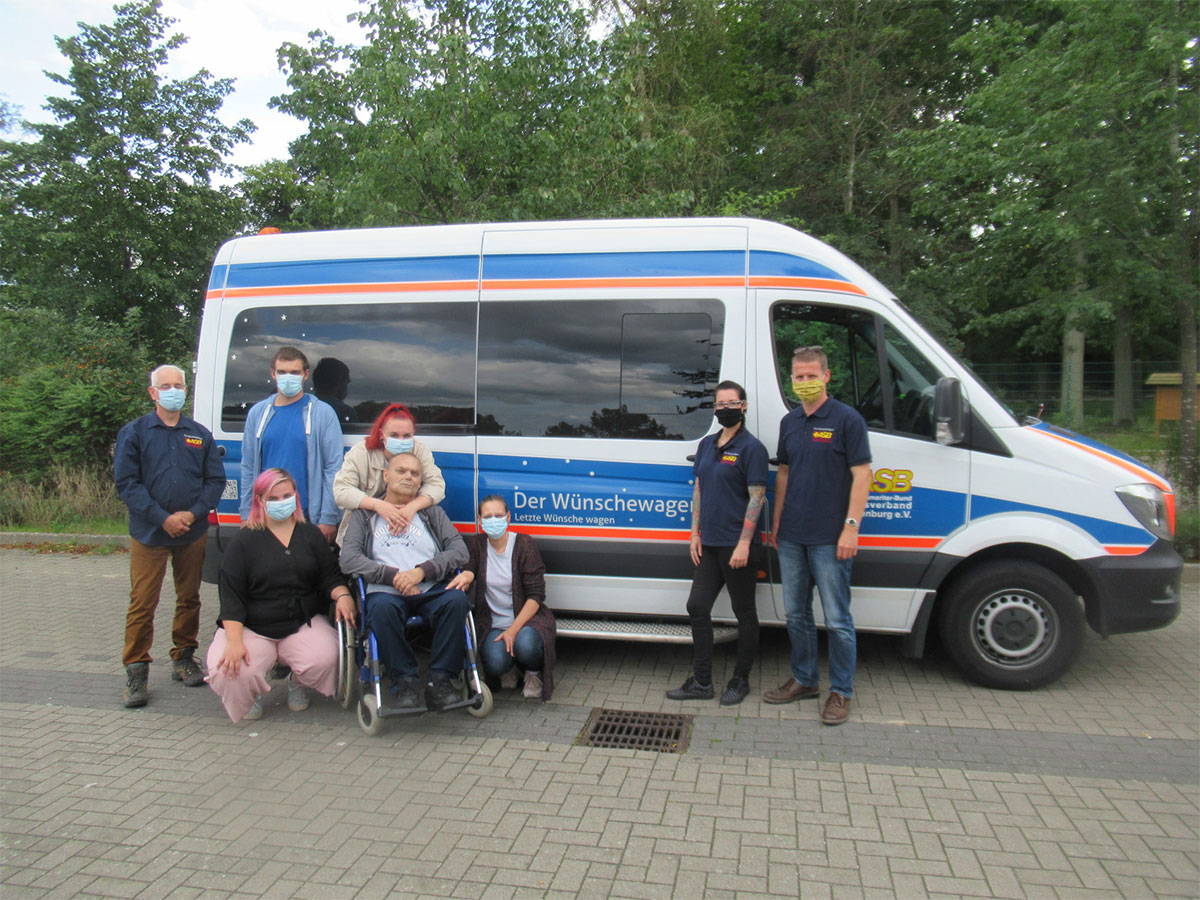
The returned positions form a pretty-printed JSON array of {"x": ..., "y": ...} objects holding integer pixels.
[
  {"x": 820, "y": 495},
  {"x": 169, "y": 475}
]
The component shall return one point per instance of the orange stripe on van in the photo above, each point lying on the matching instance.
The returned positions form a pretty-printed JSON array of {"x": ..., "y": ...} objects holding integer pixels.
[
  {"x": 534, "y": 284},
  {"x": 899, "y": 543},
  {"x": 820, "y": 284},
  {"x": 301, "y": 290}
]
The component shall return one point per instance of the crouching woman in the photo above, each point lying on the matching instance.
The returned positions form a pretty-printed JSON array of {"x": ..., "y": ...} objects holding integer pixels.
[
  {"x": 277, "y": 577},
  {"x": 516, "y": 629}
]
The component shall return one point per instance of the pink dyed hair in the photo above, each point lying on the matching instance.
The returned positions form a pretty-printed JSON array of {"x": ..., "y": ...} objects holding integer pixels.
[{"x": 263, "y": 485}]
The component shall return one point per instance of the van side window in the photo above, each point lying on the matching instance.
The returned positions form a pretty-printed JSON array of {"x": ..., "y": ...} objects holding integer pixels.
[
  {"x": 848, "y": 338},
  {"x": 419, "y": 354},
  {"x": 913, "y": 381},
  {"x": 599, "y": 368}
]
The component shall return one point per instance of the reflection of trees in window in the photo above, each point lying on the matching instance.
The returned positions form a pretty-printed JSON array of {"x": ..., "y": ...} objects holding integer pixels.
[
  {"x": 848, "y": 339},
  {"x": 615, "y": 423}
]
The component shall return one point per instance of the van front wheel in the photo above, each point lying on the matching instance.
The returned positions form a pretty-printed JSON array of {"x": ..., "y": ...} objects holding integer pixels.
[{"x": 1012, "y": 624}]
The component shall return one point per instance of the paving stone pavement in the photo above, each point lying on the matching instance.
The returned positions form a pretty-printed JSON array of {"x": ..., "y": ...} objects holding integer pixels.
[{"x": 936, "y": 787}]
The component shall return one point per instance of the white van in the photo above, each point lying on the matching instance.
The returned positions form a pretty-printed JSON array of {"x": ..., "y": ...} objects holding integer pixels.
[{"x": 570, "y": 366}]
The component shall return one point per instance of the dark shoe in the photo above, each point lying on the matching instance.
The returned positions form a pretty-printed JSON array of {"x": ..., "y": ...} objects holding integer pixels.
[
  {"x": 691, "y": 690},
  {"x": 186, "y": 669},
  {"x": 836, "y": 711},
  {"x": 735, "y": 691},
  {"x": 407, "y": 692},
  {"x": 136, "y": 693},
  {"x": 439, "y": 694},
  {"x": 790, "y": 691}
]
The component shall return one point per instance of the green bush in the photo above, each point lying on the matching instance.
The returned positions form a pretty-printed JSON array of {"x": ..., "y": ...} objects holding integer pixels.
[
  {"x": 67, "y": 498},
  {"x": 66, "y": 389}
]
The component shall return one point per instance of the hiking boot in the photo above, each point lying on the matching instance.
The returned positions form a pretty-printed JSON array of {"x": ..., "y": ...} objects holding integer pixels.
[
  {"x": 184, "y": 668},
  {"x": 691, "y": 690},
  {"x": 836, "y": 711},
  {"x": 136, "y": 693},
  {"x": 735, "y": 691},
  {"x": 508, "y": 680},
  {"x": 297, "y": 696},
  {"x": 439, "y": 694},
  {"x": 533, "y": 686},
  {"x": 255, "y": 712},
  {"x": 790, "y": 691},
  {"x": 406, "y": 692}
]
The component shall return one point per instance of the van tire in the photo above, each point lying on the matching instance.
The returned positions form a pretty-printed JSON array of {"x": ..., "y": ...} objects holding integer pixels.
[{"x": 1011, "y": 624}]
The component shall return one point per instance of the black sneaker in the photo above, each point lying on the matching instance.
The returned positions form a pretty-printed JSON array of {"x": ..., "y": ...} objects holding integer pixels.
[
  {"x": 735, "y": 691},
  {"x": 407, "y": 692},
  {"x": 136, "y": 693},
  {"x": 439, "y": 694},
  {"x": 186, "y": 669},
  {"x": 691, "y": 690}
]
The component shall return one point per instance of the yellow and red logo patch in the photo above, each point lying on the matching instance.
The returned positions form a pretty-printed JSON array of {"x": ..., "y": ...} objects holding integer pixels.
[
  {"x": 823, "y": 436},
  {"x": 194, "y": 441},
  {"x": 729, "y": 458}
]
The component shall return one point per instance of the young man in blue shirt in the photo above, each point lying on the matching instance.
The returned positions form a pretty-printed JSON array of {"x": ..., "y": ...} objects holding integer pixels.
[
  {"x": 820, "y": 496},
  {"x": 296, "y": 432},
  {"x": 169, "y": 475}
]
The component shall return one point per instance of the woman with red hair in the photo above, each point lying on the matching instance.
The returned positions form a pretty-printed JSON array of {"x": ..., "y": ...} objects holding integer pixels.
[
  {"x": 359, "y": 484},
  {"x": 277, "y": 577}
]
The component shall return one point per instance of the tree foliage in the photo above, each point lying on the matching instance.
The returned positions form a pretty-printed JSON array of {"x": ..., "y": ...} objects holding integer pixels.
[{"x": 112, "y": 207}]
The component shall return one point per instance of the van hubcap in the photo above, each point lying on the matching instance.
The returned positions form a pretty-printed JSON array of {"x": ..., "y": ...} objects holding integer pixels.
[{"x": 1014, "y": 628}]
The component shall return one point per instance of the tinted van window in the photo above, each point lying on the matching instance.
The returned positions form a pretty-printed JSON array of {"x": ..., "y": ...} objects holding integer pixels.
[
  {"x": 599, "y": 368},
  {"x": 420, "y": 354}
]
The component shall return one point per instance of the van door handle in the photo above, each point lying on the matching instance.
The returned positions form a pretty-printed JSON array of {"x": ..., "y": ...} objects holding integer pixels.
[
  {"x": 691, "y": 457},
  {"x": 774, "y": 460}
]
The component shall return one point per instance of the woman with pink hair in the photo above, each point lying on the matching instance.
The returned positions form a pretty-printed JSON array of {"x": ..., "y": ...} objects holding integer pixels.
[{"x": 277, "y": 578}]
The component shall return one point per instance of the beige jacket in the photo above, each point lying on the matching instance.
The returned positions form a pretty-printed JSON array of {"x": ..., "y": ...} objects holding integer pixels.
[{"x": 361, "y": 476}]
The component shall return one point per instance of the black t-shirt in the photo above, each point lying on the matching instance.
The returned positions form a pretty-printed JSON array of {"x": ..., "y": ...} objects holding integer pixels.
[{"x": 272, "y": 589}]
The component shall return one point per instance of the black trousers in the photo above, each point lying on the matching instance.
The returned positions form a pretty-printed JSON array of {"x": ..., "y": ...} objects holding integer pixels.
[{"x": 710, "y": 576}]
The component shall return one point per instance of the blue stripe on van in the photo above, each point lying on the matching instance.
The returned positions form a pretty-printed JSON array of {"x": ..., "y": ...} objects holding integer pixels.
[
  {"x": 216, "y": 280},
  {"x": 353, "y": 271},
  {"x": 664, "y": 264},
  {"x": 1105, "y": 532},
  {"x": 770, "y": 262},
  {"x": 1090, "y": 442}
]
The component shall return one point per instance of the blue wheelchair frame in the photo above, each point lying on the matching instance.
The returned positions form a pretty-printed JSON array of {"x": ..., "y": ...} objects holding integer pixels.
[{"x": 360, "y": 681}]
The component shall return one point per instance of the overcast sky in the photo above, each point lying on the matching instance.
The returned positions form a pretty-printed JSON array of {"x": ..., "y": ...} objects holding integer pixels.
[{"x": 231, "y": 38}]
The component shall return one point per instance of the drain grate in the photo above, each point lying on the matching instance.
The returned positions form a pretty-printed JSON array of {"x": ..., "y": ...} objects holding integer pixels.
[{"x": 619, "y": 729}]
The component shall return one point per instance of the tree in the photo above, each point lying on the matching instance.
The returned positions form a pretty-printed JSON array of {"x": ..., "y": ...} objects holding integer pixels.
[{"x": 112, "y": 207}]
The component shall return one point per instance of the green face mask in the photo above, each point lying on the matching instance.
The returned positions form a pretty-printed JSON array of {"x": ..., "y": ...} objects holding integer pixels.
[{"x": 808, "y": 391}]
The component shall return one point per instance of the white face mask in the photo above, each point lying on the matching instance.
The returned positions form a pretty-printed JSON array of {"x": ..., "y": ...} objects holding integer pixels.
[{"x": 495, "y": 526}]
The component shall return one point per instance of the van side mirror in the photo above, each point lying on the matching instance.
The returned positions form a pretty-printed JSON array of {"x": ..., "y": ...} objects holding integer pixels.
[{"x": 949, "y": 411}]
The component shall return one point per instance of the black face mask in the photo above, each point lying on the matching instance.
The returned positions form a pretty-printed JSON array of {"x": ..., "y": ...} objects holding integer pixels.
[{"x": 730, "y": 417}]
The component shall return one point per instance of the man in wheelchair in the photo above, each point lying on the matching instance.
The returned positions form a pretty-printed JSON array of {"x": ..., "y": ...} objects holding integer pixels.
[{"x": 405, "y": 572}]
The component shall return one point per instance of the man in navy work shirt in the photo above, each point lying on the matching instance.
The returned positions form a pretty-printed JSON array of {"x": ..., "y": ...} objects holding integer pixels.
[
  {"x": 296, "y": 432},
  {"x": 169, "y": 475},
  {"x": 820, "y": 495}
]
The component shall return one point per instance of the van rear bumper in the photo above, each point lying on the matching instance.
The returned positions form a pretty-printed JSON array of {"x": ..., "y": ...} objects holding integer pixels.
[{"x": 1133, "y": 593}]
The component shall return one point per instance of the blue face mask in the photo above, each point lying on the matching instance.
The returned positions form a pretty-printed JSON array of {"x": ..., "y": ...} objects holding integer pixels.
[
  {"x": 495, "y": 526},
  {"x": 171, "y": 399},
  {"x": 289, "y": 385},
  {"x": 281, "y": 509},
  {"x": 396, "y": 446}
]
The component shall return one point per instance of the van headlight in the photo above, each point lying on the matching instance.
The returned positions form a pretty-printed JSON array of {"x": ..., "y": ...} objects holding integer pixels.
[{"x": 1148, "y": 504}]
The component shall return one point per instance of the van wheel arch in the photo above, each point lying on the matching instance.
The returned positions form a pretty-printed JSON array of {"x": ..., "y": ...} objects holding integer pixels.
[{"x": 1010, "y": 621}]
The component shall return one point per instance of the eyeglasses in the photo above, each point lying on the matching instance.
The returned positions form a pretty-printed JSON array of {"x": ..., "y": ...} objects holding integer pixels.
[
  {"x": 813, "y": 348},
  {"x": 730, "y": 404}
]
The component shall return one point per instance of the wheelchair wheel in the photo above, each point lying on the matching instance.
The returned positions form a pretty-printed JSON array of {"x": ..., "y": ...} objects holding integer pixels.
[
  {"x": 368, "y": 715},
  {"x": 483, "y": 703},
  {"x": 349, "y": 685}
]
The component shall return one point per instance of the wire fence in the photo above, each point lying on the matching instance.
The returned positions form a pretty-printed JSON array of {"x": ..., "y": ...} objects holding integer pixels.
[{"x": 1026, "y": 386}]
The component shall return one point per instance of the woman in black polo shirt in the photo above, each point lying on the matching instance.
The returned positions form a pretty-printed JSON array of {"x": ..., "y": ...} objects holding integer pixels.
[{"x": 731, "y": 476}]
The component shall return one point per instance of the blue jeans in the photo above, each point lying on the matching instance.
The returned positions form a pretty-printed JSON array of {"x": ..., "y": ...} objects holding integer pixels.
[
  {"x": 446, "y": 614},
  {"x": 802, "y": 566},
  {"x": 527, "y": 649}
]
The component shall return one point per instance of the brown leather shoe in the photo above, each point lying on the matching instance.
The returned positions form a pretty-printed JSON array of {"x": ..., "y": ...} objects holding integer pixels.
[
  {"x": 836, "y": 711},
  {"x": 790, "y": 691}
]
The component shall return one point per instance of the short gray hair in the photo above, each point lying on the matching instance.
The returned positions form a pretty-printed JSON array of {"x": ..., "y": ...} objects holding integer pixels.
[{"x": 154, "y": 374}]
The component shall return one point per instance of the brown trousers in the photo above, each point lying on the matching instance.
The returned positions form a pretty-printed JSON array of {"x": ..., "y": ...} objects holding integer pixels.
[{"x": 147, "y": 567}]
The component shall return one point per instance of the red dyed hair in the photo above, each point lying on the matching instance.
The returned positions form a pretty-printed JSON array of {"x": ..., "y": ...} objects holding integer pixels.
[{"x": 374, "y": 440}]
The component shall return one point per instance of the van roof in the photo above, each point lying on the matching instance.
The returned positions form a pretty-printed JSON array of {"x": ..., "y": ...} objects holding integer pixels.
[{"x": 728, "y": 252}]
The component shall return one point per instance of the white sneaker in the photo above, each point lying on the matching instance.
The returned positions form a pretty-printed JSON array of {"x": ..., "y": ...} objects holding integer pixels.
[
  {"x": 508, "y": 680},
  {"x": 533, "y": 686},
  {"x": 297, "y": 696},
  {"x": 255, "y": 711}
]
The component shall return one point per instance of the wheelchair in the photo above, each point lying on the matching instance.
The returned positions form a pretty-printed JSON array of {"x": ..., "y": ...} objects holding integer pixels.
[{"x": 360, "y": 672}]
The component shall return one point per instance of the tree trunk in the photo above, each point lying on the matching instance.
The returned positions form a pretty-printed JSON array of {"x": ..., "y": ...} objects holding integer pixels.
[
  {"x": 1187, "y": 479},
  {"x": 1073, "y": 345},
  {"x": 1122, "y": 370}
]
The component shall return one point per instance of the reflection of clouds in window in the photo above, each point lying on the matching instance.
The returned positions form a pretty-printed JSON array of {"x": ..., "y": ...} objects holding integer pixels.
[{"x": 523, "y": 394}]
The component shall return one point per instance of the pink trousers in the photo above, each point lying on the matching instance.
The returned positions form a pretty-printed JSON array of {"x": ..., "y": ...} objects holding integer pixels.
[{"x": 311, "y": 652}]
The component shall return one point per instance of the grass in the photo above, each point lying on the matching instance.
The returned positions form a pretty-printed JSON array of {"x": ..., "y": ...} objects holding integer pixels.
[{"x": 64, "y": 500}]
